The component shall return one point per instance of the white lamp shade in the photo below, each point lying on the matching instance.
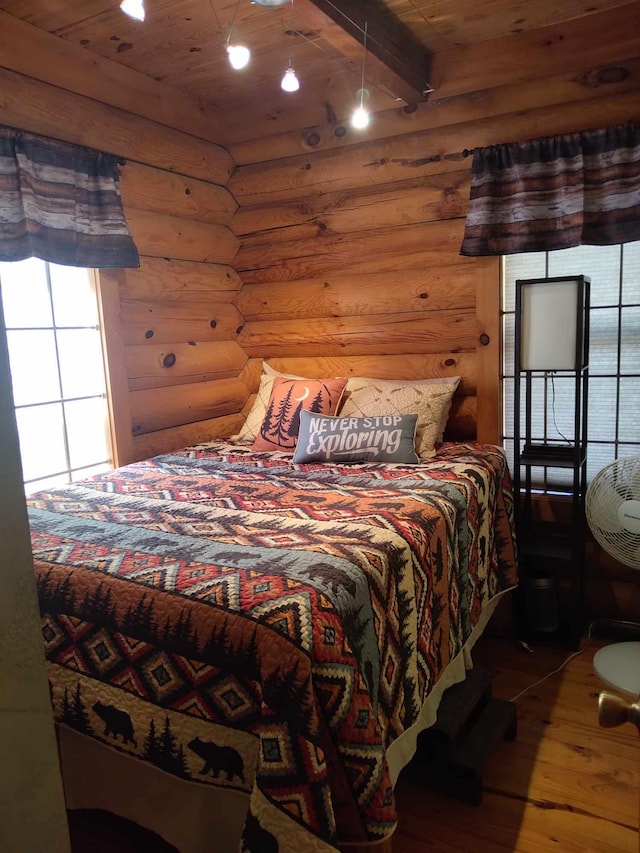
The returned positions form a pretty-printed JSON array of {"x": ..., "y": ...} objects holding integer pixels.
[{"x": 549, "y": 325}]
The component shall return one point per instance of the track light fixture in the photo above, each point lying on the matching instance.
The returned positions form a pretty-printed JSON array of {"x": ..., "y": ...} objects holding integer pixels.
[{"x": 134, "y": 9}]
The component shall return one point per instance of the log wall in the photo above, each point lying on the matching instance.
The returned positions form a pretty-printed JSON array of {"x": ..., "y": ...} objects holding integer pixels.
[
  {"x": 349, "y": 252},
  {"x": 171, "y": 328},
  {"x": 327, "y": 250}
]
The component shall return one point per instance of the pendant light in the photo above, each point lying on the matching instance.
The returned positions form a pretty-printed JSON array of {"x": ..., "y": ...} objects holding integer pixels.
[
  {"x": 360, "y": 116},
  {"x": 239, "y": 55},
  {"x": 290, "y": 82},
  {"x": 133, "y": 8}
]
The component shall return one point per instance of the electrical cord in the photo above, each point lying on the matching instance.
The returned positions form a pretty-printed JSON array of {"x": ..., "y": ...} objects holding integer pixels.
[
  {"x": 559, "y": 668},
  {"x": 553, "y": 408}
]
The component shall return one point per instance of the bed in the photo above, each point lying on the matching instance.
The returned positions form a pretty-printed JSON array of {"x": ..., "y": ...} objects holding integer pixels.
[{"x": 225, "y": 627}]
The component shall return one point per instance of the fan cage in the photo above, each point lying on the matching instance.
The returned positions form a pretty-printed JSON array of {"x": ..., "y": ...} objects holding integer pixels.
[{"x": 610, "y": 488}]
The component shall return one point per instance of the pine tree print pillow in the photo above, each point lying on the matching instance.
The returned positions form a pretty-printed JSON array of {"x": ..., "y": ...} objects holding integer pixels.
[{"x": 281, "y": 424}]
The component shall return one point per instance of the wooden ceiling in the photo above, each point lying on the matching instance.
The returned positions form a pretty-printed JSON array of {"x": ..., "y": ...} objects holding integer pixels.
[{"x": 182, "y": 44}]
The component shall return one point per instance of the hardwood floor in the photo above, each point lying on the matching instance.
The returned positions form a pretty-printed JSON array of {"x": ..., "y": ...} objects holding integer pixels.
[{"x": 564, "y": 785}]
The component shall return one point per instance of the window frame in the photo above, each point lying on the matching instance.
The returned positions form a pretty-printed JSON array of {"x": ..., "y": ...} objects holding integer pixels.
[{"x": 543, "y": 484}]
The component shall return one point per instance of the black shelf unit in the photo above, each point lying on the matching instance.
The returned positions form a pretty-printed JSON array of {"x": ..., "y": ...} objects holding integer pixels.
[{"x": 549, "y": 604}]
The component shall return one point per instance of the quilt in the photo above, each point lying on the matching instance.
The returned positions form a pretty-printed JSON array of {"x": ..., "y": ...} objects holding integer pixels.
[{"x": 239, "y": 620}]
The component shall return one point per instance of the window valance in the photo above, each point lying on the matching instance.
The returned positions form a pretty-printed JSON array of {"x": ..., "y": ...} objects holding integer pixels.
[
  {"x": 61, "y": 203},
  {"x": 555, "y": 192}
]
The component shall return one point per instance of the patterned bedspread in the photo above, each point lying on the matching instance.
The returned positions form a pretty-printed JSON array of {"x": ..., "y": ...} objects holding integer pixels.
[{"x": 242, "y": 621}]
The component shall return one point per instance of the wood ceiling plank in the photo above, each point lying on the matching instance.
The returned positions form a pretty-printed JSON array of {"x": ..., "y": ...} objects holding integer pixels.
[
  {"x": 446, "y": 24},
  {"x": 589, "y": 40},
  {"x": 395, "y": 60},
  {"x": 533, "y": 70}
]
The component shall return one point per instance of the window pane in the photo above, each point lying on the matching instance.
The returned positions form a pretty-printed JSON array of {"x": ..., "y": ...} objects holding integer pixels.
[
  {"x": 529, "y": 265},
  {"x": 87, "y": 431},
  {"x": 600, "y": 263},
  {"x": 629, "y": 426},
  {"x": 599, "y": 455},
  {"x": 74, "y": 298},
  {"x": 631, "y": 273},
  {"x": 630, "y": 341},
  {"x": 41, "y": 432},
  {"x": 81, "y": 366},
  {"x": 25, "y": 296},
  {"x": 507, "y": 408},
  {"x": 46, "y": 483},
  {"x": 508, "y": 344},
  {"x": 86, "y": 473},
  {"x": 34, "y": 367},
  {"x": 601, "y": 424},
  {"x": 628, "y": 450},
  {"x": 603, "y": 342}
]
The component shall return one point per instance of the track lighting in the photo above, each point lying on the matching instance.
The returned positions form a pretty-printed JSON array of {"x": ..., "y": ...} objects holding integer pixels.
[
  {"x": 133, "y": 8},
  {"x": 290, "y": 82}
]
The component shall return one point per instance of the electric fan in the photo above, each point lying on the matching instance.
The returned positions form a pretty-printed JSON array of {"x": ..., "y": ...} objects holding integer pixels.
[{"x": 613, "y": 514}]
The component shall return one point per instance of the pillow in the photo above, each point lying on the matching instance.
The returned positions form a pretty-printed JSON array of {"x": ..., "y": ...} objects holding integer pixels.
[
  {"x": 251, "y": 426},
  {"x": 359, "y": 381},
  {"x": 388, "y": 438},
  {"x": 431, "y": 400},
  {"x": 290, "y": 397}
]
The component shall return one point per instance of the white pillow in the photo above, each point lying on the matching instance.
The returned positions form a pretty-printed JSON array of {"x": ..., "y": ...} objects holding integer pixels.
[{"x": 430, "y": 398}]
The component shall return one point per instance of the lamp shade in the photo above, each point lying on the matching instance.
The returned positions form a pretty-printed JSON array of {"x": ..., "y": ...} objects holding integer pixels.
[{"x": 550, "y": 318}]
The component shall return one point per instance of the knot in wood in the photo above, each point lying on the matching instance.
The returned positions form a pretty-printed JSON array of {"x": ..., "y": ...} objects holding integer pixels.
[
  {"x": 169, "y": 360},
  {"x": 213, "y": 324},
  {"x": 449, "y": 362},
  {"x": 484, "y": 339},
  {"x": 313, "y": 139},
  {"x": 148, "y": 334}
]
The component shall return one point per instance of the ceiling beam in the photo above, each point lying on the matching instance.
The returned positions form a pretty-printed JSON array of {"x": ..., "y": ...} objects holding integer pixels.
[{"x": 396, "y": 61}]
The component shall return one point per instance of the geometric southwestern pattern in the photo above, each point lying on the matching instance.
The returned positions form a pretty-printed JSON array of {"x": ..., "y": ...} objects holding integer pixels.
[{"x": 240, "y": 620}]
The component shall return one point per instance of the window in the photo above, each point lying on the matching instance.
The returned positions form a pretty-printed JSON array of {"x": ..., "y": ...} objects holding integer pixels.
[
  {"x": 614, "y": 358},
  {"x": 57, "y": 371}
]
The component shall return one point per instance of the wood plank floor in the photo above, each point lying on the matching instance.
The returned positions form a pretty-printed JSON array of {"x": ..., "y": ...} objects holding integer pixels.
[{"x": 564, "y": 785}]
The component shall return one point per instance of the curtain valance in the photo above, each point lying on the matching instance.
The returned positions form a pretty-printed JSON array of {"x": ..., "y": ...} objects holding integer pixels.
[
  {"x": 61, "y": 203},
  {"x": 555, "y": 192}
]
